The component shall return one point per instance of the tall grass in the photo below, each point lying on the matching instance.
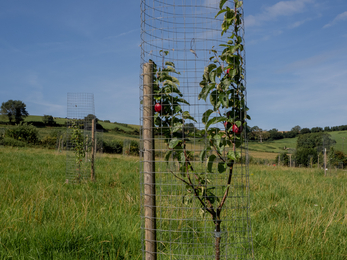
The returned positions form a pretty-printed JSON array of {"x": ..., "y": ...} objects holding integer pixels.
[
  {"x": 43, "y": 218},
  {"x": 296, "y": 213}
]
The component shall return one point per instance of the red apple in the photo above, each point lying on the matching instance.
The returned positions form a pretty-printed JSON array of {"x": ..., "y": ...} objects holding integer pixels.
[
  {"x": 157, "y": 107},
  {"x": 235, "y": 129}
]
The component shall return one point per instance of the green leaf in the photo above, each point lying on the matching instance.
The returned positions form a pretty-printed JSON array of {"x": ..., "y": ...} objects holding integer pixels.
[
  {"x": 215, "y": 120},
  {"x": 222, "y": 167},
  {"x": 186, "y": 115},
  {"x": 231, "y": 155},
  {"x": 183, "y": 101},
  {"x": 170, "y": 83},
  {"x": 175, "y": 80},
  {"x": 220, "y": 12},
  {"x": 177, "y": 127},
  {"x": 177, "y": 108},
  {"x": 221, "y": 3},
  {"x": 206, "y": 115},
  {"x": 167, "y": 155},
  {"x": 182, "y": 157},
  {"x": 239, "y": 4},
  {"x": 224, "y": 99},
  {"x": 214, "y": 99},
  {"x": 174, "y": 142},
  {"x": 206, "y": 90},
  {"x": 213, "y": 76},
  {"x": 211, "y": 67},
  {"x": 170, "y": 69},
  {"x": 209, "y": 162},
  {"x": 203, "y": 153},
  {"x": 169, "y": 63}
]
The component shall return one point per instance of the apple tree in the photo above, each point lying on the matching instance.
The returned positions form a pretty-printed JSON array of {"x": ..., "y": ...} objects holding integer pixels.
[{"x": 223, "y": 86}]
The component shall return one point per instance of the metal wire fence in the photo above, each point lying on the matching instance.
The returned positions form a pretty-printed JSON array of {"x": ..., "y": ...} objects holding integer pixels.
[{"x": 195, "y": 204}]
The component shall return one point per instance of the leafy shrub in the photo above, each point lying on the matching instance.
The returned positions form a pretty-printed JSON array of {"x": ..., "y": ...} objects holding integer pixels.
[
  {"x": 107, "y": 121},
  {"x": 23, "y": 132},
  {"x": 49, "y": 141},
  {"x": 48, "y": 120},
  {"x": 134, "y": 148},
  {"x": 303, "y": 156},
  {"x": 284, "y": 159},
  {"x": 113, "y": 146},
  {"x": 8, "y": 141}
]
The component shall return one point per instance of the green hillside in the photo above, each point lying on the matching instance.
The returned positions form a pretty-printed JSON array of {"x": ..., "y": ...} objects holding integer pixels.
[
  {"x": 120, "y": 131},
  {"x": 289, "y": 144}
]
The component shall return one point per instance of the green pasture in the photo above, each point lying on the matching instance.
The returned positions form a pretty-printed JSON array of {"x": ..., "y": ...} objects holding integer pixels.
[
  {"x": 295, "y": 213},
  {"x": 282, "y": 145},
  {"x": 276, "y": 146}
]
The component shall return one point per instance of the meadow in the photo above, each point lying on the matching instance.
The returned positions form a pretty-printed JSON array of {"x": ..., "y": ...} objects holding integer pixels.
[{"x": 295, "y": 213}]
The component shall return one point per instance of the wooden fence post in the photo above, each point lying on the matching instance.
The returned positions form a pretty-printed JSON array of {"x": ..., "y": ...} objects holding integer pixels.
[
  {"x": 148, "y": 163},
  {"x": 325, "y": 161}
]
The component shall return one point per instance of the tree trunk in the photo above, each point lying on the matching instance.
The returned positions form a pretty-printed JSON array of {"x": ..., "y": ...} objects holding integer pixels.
[{"x": 218, "y": 237}]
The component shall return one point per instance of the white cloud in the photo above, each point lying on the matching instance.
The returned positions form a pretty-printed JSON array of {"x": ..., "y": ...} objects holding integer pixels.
[
  {"x": 282, "y": 8},
  {"x": 340, "y": 17},
  {"x": 298, "y": 23}
]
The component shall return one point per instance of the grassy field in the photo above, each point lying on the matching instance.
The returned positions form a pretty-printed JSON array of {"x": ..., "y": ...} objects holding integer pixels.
[
  {"x": 279, "y": 146},
  {"x": 295, "y": 213}
]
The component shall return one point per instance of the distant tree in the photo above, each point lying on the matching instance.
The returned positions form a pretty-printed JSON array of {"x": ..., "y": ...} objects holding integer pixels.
[
  {"x": 254, "y": 133},
  {"x": 90, "y": 117},
  {"x": 310, "y": 145},
  {"x": 316, "y": 129},
  {"x": 337, "y": 157},
  {"x": 14, "y": 109},
  {"x": 189, "y": 127},
  {"x": 265, "y": 135},
  {"x": 296, "y": 129},
  {"x": 327, "y": 129},
  {"x": 305, "y": 131},
  {"x": 48, "y": 120},
  {"x": 275, "y": 135},
  {"x": 289, "y": 134}
]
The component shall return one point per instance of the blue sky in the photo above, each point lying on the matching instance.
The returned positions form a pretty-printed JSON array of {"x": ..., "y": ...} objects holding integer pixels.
[{"x": 296, "y": 54}]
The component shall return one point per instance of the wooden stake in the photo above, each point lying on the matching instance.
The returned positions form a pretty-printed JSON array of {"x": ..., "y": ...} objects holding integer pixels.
[
  {"x": 148, "y": 163},
  {"x": 93, "y": 151}
]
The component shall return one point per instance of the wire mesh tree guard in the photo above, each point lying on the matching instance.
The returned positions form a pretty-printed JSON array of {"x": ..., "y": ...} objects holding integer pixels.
[
  {"x": 194, "y": 171},
  {"x": 81, "y": 138}
]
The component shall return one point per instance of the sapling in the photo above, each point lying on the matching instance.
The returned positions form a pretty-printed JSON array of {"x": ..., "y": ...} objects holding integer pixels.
[
  {"x": 223, "y": 83},
  {"x": 78, "y": 144}
]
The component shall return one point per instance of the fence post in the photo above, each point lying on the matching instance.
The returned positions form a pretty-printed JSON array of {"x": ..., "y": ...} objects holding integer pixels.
[
  {"x": 148, "y": 159},
  {"x": 93, "y": 151},
  {"x": 325, "y": 161}
]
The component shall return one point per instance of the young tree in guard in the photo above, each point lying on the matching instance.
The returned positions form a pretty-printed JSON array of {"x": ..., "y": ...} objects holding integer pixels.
[
  {"x": 78, "y": 142},
  {"x": 223, "y": 83}
]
